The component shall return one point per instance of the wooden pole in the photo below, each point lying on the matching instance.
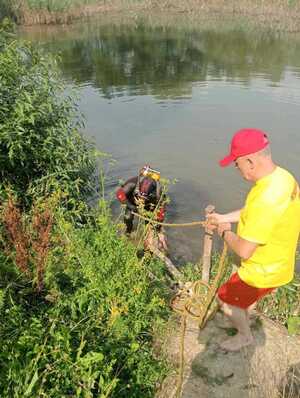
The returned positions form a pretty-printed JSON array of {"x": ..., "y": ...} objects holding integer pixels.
[
  {"x": 177, "y": 275},
  {"x": 151, "y": 243},
  {"x": 206, "y": 258}
]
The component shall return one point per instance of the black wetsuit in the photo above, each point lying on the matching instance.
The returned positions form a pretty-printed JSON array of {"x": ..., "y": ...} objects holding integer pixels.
[{"x": 135, "y": 188}]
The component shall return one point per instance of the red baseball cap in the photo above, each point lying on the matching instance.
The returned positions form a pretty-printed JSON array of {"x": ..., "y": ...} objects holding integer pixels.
[{"x": 244, "y": 142}]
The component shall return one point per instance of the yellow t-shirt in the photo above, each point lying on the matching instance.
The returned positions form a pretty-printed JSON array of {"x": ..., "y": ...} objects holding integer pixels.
[{"x": 271, "y": 218}]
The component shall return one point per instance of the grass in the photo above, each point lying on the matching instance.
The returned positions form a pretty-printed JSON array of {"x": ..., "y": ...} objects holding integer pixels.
[
  {"x": 90, "y": 330},
  {"x": 272, "y": 14},
  {"x": 283, "y": 305},
  {"x": 58, "y": 5}
]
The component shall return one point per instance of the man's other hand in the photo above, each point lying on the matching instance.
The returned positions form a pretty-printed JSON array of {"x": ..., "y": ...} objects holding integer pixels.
[{"x": 225, "y": 226}]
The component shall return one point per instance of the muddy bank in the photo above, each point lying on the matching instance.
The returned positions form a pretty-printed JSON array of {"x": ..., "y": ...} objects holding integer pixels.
[{"x": 276, "y": 15}]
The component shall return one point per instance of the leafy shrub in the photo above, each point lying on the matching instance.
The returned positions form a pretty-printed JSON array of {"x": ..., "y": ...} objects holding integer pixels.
[
  {"x": 41, "y": 148},
  {"x": 91, "y": 333}
]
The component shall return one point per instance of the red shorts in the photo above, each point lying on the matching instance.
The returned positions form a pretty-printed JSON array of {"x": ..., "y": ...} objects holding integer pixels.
[{"x": 237, "y": 293}]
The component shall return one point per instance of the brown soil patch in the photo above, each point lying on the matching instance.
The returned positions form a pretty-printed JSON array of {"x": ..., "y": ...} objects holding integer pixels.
[{"x": 263, "y": 370}]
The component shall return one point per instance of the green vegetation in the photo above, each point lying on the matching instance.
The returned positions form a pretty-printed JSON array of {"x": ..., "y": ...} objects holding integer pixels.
[
  {"x": 33, "y": 12},
  {"x": 57, "y": 5},
  {"x": 274, "y": 14},
  {"x": 283, "y": 306},
  {"x": 89, "y": 333},
  {"x": 79, "y": 311},
  {"x": 41, "y": 147}
]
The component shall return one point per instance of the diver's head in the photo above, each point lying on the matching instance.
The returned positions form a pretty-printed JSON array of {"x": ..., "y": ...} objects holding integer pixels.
[{"x": 146, "y": 189}]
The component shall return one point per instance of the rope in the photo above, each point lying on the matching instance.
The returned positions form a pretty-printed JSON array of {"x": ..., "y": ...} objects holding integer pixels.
[
  {"x": 181, "y": 365},
  {"x": 164, "y": 224},
  {"x": 195, "y": 303}
]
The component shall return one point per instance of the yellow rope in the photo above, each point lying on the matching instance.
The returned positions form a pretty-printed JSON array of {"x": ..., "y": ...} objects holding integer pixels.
[
  {"x": 181, "y": 366},
  {"x": 187, "y": 224}
]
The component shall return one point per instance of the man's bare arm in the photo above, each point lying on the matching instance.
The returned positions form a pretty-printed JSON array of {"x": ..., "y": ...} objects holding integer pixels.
[
  {"x": 242, "y": 247},
  {"x": 232, "y": 217}
]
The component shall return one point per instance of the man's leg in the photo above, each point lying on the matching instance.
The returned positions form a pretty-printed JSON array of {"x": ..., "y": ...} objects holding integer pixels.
[
  {"x": 251, "y": 312},
  {"x": 128, "y": 220},
  {"x": 226, "y": 323},
  {"x": 240, "y": 320}
]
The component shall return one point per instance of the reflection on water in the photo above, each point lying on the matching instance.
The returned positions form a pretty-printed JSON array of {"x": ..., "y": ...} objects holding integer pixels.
[
  {"x": 123, "y": 60},
  {"x": 172, "y": 97}
]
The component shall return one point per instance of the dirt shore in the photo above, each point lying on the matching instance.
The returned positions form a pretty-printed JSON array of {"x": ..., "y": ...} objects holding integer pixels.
[{"x": 267, "y": 369}]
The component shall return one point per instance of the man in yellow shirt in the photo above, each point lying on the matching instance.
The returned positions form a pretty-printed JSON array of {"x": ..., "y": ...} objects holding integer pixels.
[{"x": 267, "y": 233}]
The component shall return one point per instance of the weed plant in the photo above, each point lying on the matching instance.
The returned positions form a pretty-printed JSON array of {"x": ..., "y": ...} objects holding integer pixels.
[
  {"x": 284, "y": 305},
  {"x": 89, "y": 333},
  {"x": 192, "y": 272},
  {"x": 57, "y": 5}
]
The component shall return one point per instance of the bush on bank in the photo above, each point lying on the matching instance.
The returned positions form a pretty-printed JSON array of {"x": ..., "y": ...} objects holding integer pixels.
[
  {"x": 40, "y": 143},
  {"x": 90, "y": 332}
]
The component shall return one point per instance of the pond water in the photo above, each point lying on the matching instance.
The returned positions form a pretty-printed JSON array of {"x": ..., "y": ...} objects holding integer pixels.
[{"x": 173, "y": 96}]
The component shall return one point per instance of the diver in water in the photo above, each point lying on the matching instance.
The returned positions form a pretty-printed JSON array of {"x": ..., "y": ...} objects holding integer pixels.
[{"x": 145, "y": 189}]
